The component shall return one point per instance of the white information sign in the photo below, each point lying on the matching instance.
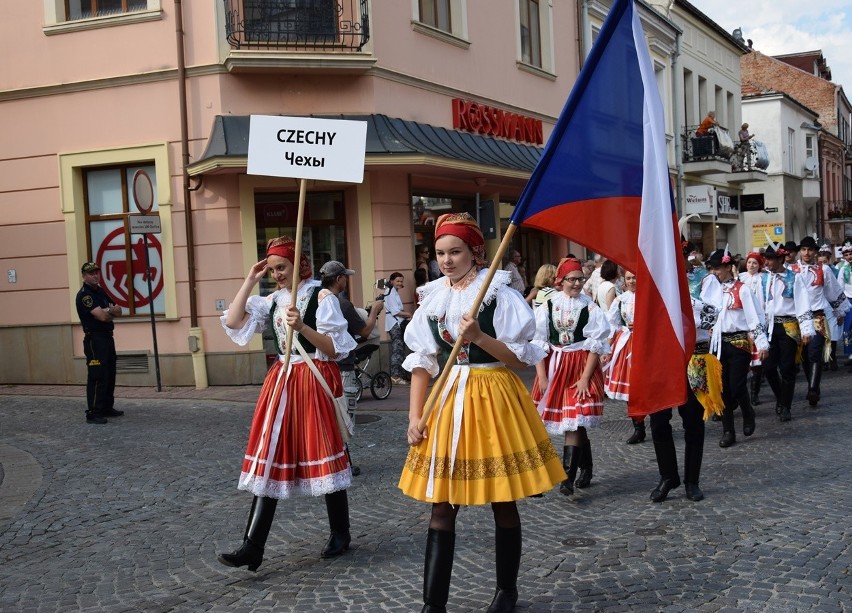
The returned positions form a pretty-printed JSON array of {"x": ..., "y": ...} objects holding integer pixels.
[
  {"x": 700, "y": 199},
  {"x": 307, "y": 148},
  {"x": 144, "y": 224}
]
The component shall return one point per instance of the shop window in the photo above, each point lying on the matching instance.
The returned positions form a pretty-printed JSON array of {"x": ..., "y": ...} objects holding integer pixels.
[
  {"x": 108, "y": 197},
  {"x": 323, "y": 235}
]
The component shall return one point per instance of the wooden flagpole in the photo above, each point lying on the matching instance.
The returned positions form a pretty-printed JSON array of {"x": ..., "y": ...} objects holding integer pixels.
[
  {"x": 474, "y": 311},
  {"x": 297, "y": 259}
]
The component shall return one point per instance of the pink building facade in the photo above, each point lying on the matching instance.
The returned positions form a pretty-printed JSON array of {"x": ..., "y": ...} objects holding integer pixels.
[{"x": 458, "y": 97}]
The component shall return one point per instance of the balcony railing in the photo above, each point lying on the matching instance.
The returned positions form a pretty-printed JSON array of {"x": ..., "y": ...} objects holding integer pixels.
[
  {"x": 716, "y": 145},
  {"x": 297, "y": 25}
]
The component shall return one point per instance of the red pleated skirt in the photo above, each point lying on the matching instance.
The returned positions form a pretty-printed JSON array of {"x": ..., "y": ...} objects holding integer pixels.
[
  {"x": 617, "y": 377},
  {"x": 560, "y": 409},
  {"x": 294, "y": 445}
]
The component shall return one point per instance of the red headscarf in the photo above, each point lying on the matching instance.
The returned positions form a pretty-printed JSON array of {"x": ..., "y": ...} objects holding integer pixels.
[
  {"x": 567, "y": 265},
  {"x": 285, "y": 247},
  {"x": 756, "y": 256},
  {"x": 463, "y": 226}
]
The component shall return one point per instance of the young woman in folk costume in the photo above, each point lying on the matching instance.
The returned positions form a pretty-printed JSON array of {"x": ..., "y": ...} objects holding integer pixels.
[
  {"x": 484, "y": 442},
  {"x": 574, "y": 330},
  {"x": 741, "y": 321},
  {"x": 755, "y": 277},
  {"x": 295, "y": 447},
  {"x": 617, "y": 368}
]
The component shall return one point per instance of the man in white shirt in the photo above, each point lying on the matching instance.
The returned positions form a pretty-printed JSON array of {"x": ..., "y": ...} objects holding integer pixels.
[{"x": 516, "y": 281}]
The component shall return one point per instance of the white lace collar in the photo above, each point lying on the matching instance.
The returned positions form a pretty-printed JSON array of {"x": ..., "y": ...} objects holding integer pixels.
[{"x": 438, "y": 297}]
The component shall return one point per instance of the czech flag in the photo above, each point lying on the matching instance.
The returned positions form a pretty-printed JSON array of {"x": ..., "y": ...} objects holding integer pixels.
[{"x": 603, "y": 181}]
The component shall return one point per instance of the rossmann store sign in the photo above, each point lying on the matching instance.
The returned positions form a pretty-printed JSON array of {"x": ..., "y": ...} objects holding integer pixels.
[{"x": 490, "y": 121}]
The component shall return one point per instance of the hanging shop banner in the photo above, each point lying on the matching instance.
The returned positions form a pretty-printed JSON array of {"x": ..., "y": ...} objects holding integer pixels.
[
  {"x": 307, "y": 148},
  {"x": 699, "y": 199}
]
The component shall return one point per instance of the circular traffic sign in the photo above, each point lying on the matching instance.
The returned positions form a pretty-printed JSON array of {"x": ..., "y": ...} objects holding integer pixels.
[{"x": 143, "y": 192}]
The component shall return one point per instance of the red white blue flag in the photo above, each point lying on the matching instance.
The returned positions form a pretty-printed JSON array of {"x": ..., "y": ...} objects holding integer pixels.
[{"x": 603, "y": 181}]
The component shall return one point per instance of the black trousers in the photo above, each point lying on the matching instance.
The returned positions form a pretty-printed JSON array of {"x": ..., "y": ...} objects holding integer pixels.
[
  {"x": 735, "y": 365},
  {"x": 812, "y": 357},
  {"x": 779, "y": 367},
  {"x": 692, "y": 416},
  {"x": 101, "y": 362}
]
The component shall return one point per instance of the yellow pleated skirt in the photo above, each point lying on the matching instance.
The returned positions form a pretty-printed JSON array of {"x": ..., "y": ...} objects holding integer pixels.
[{"x": 503, "y": 451}]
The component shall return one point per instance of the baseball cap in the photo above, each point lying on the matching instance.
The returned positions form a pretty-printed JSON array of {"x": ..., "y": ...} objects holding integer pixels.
[
  {"x": 333, "y": 268},
  {"x": 90, "y": 267}
]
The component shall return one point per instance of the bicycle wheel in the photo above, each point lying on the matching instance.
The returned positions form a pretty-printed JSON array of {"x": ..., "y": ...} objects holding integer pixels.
[{"x": 381, "y": 385}]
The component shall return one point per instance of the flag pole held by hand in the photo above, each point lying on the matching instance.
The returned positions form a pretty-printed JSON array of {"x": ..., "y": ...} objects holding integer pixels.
[
  {"x": 474, "y": 311},
  {"x": 297, "y": 258}
]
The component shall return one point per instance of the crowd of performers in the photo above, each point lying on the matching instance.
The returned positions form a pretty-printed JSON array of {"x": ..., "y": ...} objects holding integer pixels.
[{"x": 485, "y": 439}]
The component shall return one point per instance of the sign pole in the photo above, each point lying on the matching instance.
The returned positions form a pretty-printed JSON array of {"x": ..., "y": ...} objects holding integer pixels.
[
  {"x": 297, "y": 257},
  {"x": 151, "y": 307}
]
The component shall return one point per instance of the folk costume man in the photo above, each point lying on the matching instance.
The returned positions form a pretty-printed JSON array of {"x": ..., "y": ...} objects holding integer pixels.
[
  {"x": 789, "y": 326},
  {"x": 824, "y": 293}
]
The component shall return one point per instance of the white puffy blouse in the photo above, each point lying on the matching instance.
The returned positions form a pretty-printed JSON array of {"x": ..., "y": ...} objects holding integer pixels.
[
  {"x": 330, "y": 320},
  {"x": 514, "y": 323}
]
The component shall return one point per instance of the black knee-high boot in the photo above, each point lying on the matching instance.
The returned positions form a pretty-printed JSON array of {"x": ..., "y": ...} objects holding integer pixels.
[
  {"x": 437, "y": 570},
  {"x": 257, "y": 530},
  {"x": 638, "y": 435},
  {"x": 570, "y": 462},
  {"x": 507, "y": 547},
  {"x": 584, "y": 479},
  {"x": 667, "y": 463},
  {"x": 337, "y": 506}
]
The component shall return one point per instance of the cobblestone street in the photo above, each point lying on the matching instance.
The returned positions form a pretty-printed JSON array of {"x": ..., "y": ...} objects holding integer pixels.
[{"x": 129, "y": 516}]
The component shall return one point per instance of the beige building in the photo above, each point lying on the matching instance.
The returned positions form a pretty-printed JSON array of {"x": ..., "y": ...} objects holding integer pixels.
[{"x": 458, "y": 96}]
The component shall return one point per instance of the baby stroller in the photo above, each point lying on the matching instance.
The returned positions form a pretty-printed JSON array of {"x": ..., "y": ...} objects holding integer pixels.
[{"x": 380, "y": 383}]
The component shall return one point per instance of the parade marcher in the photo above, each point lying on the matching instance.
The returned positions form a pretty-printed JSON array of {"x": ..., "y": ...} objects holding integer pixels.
[
  {"x": 792, "y": 249},
  {"x": 484, "y": 442},
  {"x": 825, "y": 293},
  {"x": 574, "y": 331},
  {"x": 756, "y": 280},
  {"x": 695, "y": 269},
  {"x": 295, "y": 446},
  {"x": 606, "y": 291},
  {"x": 789, "y": 325},
  {"x": 335, "y": 278},
  {"x": 617, "y": 369},
  {"x": 704, "y": 398},
  {"x": 826, "y": 256},
  {"x": 844, "y": 277},
  {"x": 96, "y": 312},
  {"x": 741, "y": 321}
]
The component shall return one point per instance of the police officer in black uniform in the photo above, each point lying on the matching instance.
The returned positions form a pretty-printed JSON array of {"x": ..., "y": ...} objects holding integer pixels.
[{"x": 96, "y": 312}]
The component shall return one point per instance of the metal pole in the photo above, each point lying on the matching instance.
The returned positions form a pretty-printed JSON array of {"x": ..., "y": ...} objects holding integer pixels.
[{"x": 151, "y": 307}]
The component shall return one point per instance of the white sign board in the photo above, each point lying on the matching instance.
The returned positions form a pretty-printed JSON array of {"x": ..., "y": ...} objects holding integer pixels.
[
  {"x": 700, "y": 199},
  {"x": 307, "y": 148},
  {"x": 144, "y": 224}
]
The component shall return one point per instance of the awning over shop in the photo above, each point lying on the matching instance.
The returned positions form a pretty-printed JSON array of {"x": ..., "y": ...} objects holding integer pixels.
[{"x": 388, "y": 138}]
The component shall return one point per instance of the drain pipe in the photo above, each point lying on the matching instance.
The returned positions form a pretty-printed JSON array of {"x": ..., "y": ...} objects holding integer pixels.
[
  {"x": 196, "y": 337},
  {"x": 679, "y": 124}
]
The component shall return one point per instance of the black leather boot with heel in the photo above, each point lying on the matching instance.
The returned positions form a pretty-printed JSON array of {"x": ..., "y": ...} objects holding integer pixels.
[
  {"x": 250, "y": 554},
  {"x": 438, "y": 568},
  {"x": 507, "y": 548},
  {"x": 337, "y": 506}
]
